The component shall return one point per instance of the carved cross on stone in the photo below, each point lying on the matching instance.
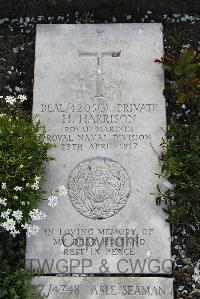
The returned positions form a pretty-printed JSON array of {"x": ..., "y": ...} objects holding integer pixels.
[{"x": 99, "y": 57}]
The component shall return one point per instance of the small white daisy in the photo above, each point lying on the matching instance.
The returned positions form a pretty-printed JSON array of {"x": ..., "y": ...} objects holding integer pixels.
[
  {"x": 52, "y": 201},
  {"x": 17, "y": 188},
  {"x": 14, "y": 232},
  {"x": 37, "y": 178},
  {"x": 10, "y": 100},
  {"x": 18, "y": 215},
  {"x": 3, "y": 202},
  {"x": 5, "y": 214},
  {"x": 35, "y": 214},
  {"x": 62, "y": 190},
  {"x": 22, "y": 98},
  {"x": 35, "y": 186},
  {"x": 3, "y": 185},
  {"x": 9, "y": 224},
  {"x": 30, "y": 229}
]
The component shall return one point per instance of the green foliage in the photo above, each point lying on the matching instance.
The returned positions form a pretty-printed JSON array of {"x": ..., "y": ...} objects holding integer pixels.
[
  {"x": 15, "y": 281},
  {"x": 183, "y": 84},
  {"x": 181, "y": 149},
  {"x": 180, "y": 171},
  {"x": 181, "y": 164},
  {"x": 23, "y": 158},
  {"x": 17, "y": 285},
  {"x": 13, "y": 257},
  {"x": 23, "y": 154}
]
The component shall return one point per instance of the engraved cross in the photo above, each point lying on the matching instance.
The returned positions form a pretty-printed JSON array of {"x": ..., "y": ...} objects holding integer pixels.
[{"x": 99, "y": 57}]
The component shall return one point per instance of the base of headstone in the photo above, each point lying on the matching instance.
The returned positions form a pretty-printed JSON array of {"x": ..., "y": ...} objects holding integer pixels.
[{"x": 62, "y": 287}]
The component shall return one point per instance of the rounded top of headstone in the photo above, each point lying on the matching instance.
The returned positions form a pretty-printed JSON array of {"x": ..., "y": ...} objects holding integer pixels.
[{"x": 98, "y": 188}]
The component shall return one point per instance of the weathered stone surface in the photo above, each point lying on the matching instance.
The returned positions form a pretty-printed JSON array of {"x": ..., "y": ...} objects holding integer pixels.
[
  {"x": 105, "y": 287},
  {"x": 99, "y": 93},
  {"x": 93, "y": 184}
]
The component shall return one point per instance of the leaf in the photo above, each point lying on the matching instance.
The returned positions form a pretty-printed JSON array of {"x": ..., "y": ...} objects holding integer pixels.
[
  {"x": 167, "y": 173},
  {"x": 191, "y": 69},
  {"x": 179, "y": 70},
  {"x": 187, "y": 262},
  {"x": 187, "y": 56},
  {"x": 172, "y": 165},
  {"x": 181, "y": 99}
]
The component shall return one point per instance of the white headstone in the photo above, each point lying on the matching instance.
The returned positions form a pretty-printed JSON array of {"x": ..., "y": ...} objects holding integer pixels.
[{"x": 99, "y": 94}]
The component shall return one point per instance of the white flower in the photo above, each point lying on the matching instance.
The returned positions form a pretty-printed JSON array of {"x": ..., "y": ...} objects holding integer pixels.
[
  {"x": 30, "y": 229},
  {"x": 3, "y": 202},
  {"x": 18, "y": 89},
  {"x": 62, "y": 190},
  {"x": 17, "y": 188},
  {"x": 52, "y": 201},
  {"x": 21, "y": 166},
  {"x": 18, "y": 215},
  {"x": 35, "y": 186},
  {"x": 22, "y": 98},
  {"x": 15, "y": 197},
  {"x": 9, "y": 224},
  {"x": 23, "y": 179},
  {"x": 3, "y": 185},
  {"x": 196, "y": 275},
  {"x": 129, "y": 17},
  {"x": 10, "y": 100},
  {"x": 35, "y": 214},
  {"x": 5, "y": 214},
  {"x": 114, "y": 19},
  {"x": 15, "y": 50},
  {"x": 14, "y": 232},
  {"x": 37, "y": 178},
  {"x": 183, "y": 106}
]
